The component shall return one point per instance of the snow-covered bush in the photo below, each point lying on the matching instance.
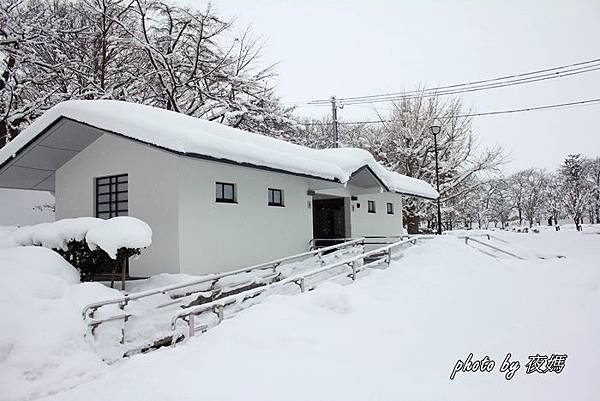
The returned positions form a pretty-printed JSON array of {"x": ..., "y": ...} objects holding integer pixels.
[{"x": 91, "y": 245}]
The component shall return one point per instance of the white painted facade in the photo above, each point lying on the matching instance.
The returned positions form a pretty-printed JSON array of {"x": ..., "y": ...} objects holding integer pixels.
[
  {"x": 192, "y": 233},
  {"x": 379, "y": 223},
  {"x": 153, "y": 194}
]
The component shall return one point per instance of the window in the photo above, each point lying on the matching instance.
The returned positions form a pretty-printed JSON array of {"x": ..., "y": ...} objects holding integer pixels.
[
  {"x": 275, "y": 197},
  {"x": 225, "y": 192},
  {"x": 390, "y": 208},
  {"x": 112, "y": 197},
  {"x": 371, "y": 206}
]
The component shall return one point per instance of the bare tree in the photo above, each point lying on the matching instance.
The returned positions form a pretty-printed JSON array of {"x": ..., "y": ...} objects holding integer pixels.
[
  {"x": 553, "y": 198},
  {"x": 405, "y": 144},
  {"x": 575, "y": 189},
  {"x": 144, "y": 51},
  {"x": 593, "y": 177}
]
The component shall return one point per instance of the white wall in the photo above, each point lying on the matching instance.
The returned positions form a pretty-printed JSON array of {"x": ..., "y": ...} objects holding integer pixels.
[
  {"x": 153, "y": 189},
  {"x": 218, "y": 237},
  {"x": 379, "y": 223},
  {"x": 192, "y": 233}
]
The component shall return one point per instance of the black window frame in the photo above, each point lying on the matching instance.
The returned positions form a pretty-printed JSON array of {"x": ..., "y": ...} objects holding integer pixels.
[
  {"x": 390, "y": 208},
  {"x": 117, "y": 206},
  {"x": 371, "y": 209},
  {"x": 220, "y": 197},
  {"x": 271, "y": 199}
]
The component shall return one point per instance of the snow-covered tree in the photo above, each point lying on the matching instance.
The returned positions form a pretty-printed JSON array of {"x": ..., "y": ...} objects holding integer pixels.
[
  {"x": 575, "y": 188},
  {"x": 30, "y": 66},
  {"x": 144, "y": 51},
  {"x": 553, "y": 198},
  {"x": 406, "y": 145},
  {"x": 593, "y": 178}
]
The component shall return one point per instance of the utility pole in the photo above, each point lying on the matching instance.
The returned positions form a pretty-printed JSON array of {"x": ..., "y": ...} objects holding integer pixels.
[
  {"x": 336, "y": 143},
  {"x": 435, "y": 130}
]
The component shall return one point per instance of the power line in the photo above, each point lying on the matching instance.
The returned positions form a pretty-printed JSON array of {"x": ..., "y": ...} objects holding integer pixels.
[
  {"x": 478, "y": 88},
  {"x": 507, "y": 80},
  {"x": 488, "y": 113}
]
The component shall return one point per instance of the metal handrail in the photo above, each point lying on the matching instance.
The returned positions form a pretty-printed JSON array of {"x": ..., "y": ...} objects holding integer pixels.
[
  {"x": 369, "y": 240},
  {"x": 471, "y": 235},
  {"x": 219, "y": 305},
  {"x": 88, "y": 310},
  {"x": 312, "y": 244},
  {"x": 467, "y": 239}
]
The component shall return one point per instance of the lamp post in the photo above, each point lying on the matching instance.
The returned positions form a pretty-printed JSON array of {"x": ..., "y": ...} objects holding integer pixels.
[{"x": 435, "y": 130}]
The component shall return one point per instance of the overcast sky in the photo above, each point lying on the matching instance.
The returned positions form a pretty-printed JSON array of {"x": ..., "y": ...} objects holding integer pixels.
[{"x": 350, "y": 48}]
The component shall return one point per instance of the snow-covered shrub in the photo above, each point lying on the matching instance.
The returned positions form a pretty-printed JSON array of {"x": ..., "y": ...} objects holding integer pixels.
[
  {"x": 91, "y": 245},
  {"x": 93, "y": 262}
]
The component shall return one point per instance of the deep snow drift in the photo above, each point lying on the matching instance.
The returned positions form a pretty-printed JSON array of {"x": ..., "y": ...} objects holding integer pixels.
[
  {"x": 395, "y": 334},
  {"x": 42, "y": 345}
]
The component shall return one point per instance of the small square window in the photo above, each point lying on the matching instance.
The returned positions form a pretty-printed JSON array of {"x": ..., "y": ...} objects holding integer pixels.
[
  {"x": 112, "y": 198},
  {"x": 225, "y": 192},
  {"x": 275, "y": 197},
  {"x": 390, "y": 208},
  {"x": 371, "y": 207}
]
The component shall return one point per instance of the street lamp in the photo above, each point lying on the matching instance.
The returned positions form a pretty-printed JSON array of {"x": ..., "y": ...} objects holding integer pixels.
[{"x": 435, "y": 130}]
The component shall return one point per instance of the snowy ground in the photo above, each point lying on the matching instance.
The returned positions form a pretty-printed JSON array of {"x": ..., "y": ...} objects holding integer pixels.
[{"x": 394, "y": 334}]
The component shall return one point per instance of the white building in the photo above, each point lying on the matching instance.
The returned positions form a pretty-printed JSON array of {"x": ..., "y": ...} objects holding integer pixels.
[{"x": 217, "y": 198}]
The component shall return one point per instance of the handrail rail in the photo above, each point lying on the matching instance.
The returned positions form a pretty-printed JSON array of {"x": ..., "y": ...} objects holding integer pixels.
[
  {"x": 218, "y": 306},
  {"x": 210, "y": 277},
  {"x": 471, "y": 235},
  {"x": 312, "y": 244},
  {"x": 468, "y": 238}
]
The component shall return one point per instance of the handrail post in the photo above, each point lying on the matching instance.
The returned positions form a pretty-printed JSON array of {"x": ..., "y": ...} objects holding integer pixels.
[
  {"x": 301, "y": 284},
  {"x": 466, "y": 240},
  {"x": 219, "y": 311},
  {"x": 354, "y": 270},
  {"x": 388, "y": 257},
  {"x": 192, "y": 324}
]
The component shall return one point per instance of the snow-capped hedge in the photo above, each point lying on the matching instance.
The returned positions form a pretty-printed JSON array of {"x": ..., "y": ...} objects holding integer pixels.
[
  {"x": 108, "y": 235},
  {"x": 93, "y": 246}
]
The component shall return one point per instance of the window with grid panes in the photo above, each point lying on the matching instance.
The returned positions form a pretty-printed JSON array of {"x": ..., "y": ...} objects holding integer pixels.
[{"x": 112, "y": 197}]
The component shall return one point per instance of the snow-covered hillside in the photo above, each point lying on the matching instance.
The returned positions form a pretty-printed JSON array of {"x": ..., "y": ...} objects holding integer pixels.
[{"x": 394, "y": 334}]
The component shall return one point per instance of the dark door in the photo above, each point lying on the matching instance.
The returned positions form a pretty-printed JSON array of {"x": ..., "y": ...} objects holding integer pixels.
[{"x": 329, "y": 219}]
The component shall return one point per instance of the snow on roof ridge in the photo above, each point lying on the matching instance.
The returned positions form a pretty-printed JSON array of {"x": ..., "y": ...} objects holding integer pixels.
[{"x": 179, "y": 132}]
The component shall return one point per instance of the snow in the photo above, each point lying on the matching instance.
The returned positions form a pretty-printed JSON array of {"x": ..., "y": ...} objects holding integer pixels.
[
  {"x": 19, "y": 206},
  {"x": 42, "y": 345},
  {"x": 3, "y": 63},
  {"x": 395, "y": 333},
  {"x": 108, "y": 235},
  {"x": 152, "y": 314},
  {"x": 193, "y": 136},
  {"x": 119, "y": 232}
]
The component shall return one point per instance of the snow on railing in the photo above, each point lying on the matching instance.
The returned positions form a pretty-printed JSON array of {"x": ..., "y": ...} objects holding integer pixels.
[
  {"x": 122, "y": 302},
  {"x": 356, "y": 264},
  {"x": 497, "y": 249}
]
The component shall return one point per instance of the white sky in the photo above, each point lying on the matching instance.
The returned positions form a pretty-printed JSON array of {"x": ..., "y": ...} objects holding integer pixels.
[{"x": 353, "y": 47}]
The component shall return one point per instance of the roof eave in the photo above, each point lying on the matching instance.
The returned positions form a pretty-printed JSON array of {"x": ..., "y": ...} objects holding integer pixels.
[{"x": 192, "y": 155}]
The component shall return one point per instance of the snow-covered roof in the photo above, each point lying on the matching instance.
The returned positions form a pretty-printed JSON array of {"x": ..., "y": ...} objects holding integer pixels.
[{"x": 196, "y": 137}]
